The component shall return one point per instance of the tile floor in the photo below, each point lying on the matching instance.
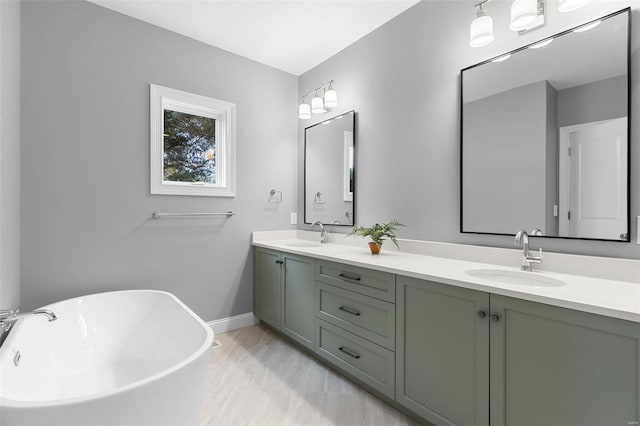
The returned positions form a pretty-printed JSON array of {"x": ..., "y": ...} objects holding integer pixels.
[{"x": 257, "y": 377}]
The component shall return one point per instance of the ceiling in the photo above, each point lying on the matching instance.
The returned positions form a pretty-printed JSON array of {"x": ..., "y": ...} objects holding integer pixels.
[{"x": 293, "y": 36}]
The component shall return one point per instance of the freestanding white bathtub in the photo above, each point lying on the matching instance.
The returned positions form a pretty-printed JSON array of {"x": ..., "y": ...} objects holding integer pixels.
[{"x": 134, "y": 358}]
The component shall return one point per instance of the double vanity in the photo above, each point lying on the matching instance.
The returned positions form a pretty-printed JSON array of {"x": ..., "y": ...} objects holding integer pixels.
[{"x": 458, "y": 335}]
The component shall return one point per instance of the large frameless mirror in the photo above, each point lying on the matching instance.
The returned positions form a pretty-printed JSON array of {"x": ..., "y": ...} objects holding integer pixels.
[
  {"x": 545, "y": 136},
  {"x": 329, "y": 171}
]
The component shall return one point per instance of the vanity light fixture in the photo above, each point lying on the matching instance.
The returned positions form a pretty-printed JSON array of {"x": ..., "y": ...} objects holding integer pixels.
[
  {"x": 481, "y": 30},
  {"x": 330, "y": 97},
  {"x": 587, "y": 27},
  {"x": 571, "y": 5},
  {"x": 541, "y": 44},
  {"x": 523, "y": 14},
  {"x": 319, "y": 105},
  {"x": 526, "y": 15},
  {"x": 304, "y": 110}
]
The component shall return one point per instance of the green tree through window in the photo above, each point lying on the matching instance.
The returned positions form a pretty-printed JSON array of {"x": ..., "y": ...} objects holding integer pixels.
[{"x": 189, "y": 148}]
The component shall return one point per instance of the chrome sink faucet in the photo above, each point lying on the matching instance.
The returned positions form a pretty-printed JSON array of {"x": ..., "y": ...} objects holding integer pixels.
[
  {"x": 527, "y": 258},
  {"x": 324, "y": 237},
  {"x": 10, "y": 316}
]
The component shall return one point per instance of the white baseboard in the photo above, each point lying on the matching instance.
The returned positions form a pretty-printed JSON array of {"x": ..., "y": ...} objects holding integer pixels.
[{"x": 224, "y": 325}]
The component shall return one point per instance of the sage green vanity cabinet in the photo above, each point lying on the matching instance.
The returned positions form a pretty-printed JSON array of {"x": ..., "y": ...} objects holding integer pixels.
[
  {"x": 364, "y": 360},
  {"x": 380, "y": 285},
  {"x": 465, "y": 357},
  {"x": 298, "y": 301},
  {"x": 368, "y": 317},
  {"x": 268, "y": 291},
  {"x": 442, "y": 352},
  {"x": 555, "y": 366},
  {"x": 355, "y": 323},
  {"x": 455, "y": 356},
  {"x": 285, "y": 293}
]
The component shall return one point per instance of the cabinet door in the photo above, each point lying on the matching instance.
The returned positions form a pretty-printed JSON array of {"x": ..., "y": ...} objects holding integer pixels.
[
  {"x": 442, "y": 352},
  {"x": 268, "y": 265},
  {"x": 555, "y": 366},
  {"x": 298, "y": 299}
]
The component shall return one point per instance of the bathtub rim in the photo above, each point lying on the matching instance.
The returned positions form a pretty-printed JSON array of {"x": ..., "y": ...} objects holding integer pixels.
[{"x": 207, "y": 345}]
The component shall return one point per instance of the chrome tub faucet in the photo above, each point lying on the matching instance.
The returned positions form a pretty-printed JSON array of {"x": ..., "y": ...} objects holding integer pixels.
[
  {"x": 10, "y": 316},
  {"x": 522, "y": 238}
]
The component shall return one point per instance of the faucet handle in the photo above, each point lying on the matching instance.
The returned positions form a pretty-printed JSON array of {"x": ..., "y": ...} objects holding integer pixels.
[
  {"x": 535, "y": 259},
  {"x": 6, "y": 313}
]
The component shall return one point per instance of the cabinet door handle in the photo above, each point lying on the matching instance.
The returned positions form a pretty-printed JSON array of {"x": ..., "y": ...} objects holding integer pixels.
[
  {"x": 349, "y": 311},
  {"x": 495, "y": 317},
  {"x": 348, "y": 352},
  {"x": 482, "y": 314},
  {"x": 279, "y": 262},
  {"x": 348, "y": 277}
]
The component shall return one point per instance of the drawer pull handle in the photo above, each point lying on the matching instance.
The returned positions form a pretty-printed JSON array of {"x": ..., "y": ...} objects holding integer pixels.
[
  {"x": 348, "y": 277},
  {"x": 349, "y": 311},
  {"x": 348, "y": 352}
]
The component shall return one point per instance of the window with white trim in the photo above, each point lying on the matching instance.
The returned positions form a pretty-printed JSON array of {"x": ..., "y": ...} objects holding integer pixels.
[{"x": 192, "y": 144}]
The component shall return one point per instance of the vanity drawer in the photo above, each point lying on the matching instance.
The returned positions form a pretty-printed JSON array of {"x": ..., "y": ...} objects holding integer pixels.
[
  {"x": 381, "y": 285},
  {"x": 366, "y": 361},
  {"x": 365, "y": 316}
]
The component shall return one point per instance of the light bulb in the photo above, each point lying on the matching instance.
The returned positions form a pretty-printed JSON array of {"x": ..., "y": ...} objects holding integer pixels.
[
  {"x": 304, "y": 111},
  {"x": 330, "y": 98},
  {"x": 523, "y": 14},
  {"x": 317, "y": 105},
  {"x": 571, "y": 5},
  {"x": 481, "y": 31}
]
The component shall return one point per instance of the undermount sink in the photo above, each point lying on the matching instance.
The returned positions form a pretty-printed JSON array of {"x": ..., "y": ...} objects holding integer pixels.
[
  {"x": 302, "y": 244},
  {"x": 531, "y": 279}
]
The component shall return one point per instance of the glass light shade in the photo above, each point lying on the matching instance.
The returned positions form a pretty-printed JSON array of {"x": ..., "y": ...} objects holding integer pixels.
[
  {"x": 330, "y": 98},
  {"x": 304, "y": 111},
  {"x": 481, "y": 31},
  {"x": 523, "y": 13},
  {"x": 570, "y": 5},
  {"x": 317, "y": 105}
]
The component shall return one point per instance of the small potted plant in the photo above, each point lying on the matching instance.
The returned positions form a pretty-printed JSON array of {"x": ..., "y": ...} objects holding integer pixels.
[{"x": 378, "y": 233}]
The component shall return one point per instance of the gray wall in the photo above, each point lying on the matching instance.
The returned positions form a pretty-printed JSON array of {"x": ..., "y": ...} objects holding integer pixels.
[
  {"x": 403, "y": 80},
  {"x": 593, "y": 102},
  {"x": 503, "y": 135},
  {"x": 9, "y": 154},
  {"x": 86, "y": 205}
]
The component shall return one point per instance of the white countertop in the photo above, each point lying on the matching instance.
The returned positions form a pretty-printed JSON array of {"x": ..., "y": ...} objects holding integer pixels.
[{"x": 613, "y": 298}]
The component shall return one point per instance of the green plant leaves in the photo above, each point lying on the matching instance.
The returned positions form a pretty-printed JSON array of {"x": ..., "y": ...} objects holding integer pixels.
[{"x": 378, "y": 233}]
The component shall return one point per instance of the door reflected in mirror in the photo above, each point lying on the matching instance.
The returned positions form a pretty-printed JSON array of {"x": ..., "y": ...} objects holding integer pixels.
[
  {"x": 545, "y": 137},
  {"x": 329, "y": 171}
]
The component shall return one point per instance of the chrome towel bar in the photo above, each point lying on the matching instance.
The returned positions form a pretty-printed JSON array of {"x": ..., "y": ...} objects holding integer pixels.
[{"x": 158, "y": 215}]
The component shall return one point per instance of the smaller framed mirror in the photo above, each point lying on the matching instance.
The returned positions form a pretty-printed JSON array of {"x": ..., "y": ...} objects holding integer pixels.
[{"x": 329, "y": 171}]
